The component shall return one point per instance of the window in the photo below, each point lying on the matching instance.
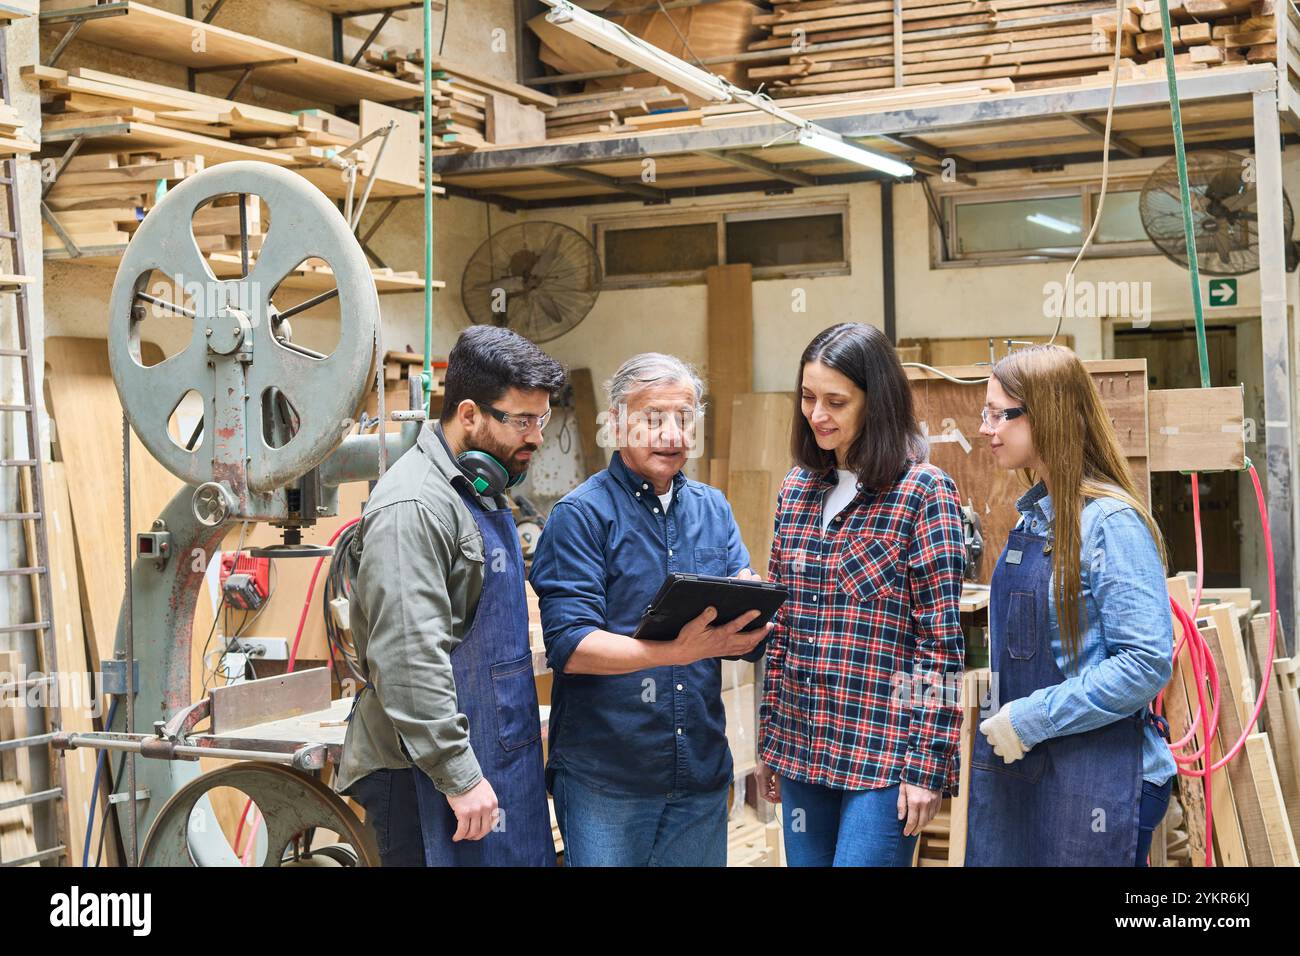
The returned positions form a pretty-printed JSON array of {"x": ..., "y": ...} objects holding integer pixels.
[
  {"x": 661, "y": 249},
  {"x": 1021, "y": 226},
  {"x": 672, "y": 249}
]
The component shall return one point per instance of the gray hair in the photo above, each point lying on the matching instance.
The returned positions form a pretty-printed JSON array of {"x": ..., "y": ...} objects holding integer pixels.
[{"x": 652, "y": 368}]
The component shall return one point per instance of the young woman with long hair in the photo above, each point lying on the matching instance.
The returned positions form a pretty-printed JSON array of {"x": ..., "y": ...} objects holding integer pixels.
[
  {"x": 860, "y": 712},
  {"x": 1071, "y": 768}
]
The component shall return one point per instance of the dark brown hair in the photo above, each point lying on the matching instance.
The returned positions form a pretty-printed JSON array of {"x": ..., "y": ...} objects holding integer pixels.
[{"x": 890, "y": 434}]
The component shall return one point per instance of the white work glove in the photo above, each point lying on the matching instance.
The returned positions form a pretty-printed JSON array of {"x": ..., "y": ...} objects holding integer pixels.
[{"x": 1002, "y": 736}]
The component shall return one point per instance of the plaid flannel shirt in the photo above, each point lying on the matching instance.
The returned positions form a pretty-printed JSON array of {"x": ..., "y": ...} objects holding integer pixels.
[{"x": 865, "y": 660}]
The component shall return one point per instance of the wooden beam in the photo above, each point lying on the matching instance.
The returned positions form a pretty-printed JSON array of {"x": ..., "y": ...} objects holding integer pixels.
[
  {"x": 743, "y": 160},
  {"x": 1117, "y": 142},
  {"x": 731, "y": 348},
  {"x": 609, "y": 182}
]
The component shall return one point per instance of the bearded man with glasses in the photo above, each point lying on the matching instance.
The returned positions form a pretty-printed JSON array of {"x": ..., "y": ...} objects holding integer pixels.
[{"x": 445, "y": 752}]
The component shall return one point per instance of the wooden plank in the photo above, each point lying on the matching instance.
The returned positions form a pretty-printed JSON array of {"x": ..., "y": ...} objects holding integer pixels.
[
  {"x": 16, "y": 838},
  {"x": 486, "y": 83},
  {"x": 1197, "y": 429},
  {"x": 1280, "y": 837},
  {"x": 88, "y": 418},
  {"x": 1247, "y": 824},
  {"x": 975, "y": 684},
  {"x": 14, "y": 764},
  {"x": 402, "y": 159},
  {"x": 594, "y": 457},
  {"x": 759, "y": 461},
  {"x": 730, "y": 347},
  {"x": 1286, "y": 746},
  {"x": 1180, "y": 703},
  {"x": 70, "y": 646},
  {"x": 1237, "y": 667},
  {"x": 512, "y": 123}
]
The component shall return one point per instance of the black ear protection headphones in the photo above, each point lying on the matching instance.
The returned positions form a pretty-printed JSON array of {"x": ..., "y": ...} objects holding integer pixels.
[{"x": 486, "y": 473}]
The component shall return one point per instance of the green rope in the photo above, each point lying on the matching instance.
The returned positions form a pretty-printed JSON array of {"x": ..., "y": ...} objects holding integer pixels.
[
  {"x": 1180, "y": 152},
  {"x": 426, "y": 377}
]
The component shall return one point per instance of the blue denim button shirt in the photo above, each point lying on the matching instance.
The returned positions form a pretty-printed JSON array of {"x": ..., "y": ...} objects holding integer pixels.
[
  {"x": 605, "y": 551},
  {"x": 1126, "y": 648}
]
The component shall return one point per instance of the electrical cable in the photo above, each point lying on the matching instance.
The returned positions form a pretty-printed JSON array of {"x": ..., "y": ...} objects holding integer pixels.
[
  {"x": 94, "y": 788},
  {"x": 1120, "y": 6},
  {"x": 103, "y": 821}
]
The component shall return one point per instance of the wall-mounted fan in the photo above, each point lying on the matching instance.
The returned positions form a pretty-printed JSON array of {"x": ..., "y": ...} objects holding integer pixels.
[
  {"x": 539, "y": 279},
  {"x": 1225, "y": 217}
]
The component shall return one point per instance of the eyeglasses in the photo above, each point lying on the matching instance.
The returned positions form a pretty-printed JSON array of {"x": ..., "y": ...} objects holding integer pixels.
[
  {"x": 685, "y": 419},
  {"x": 993, "y": 417},
  {"x": 521, "y": 423}
]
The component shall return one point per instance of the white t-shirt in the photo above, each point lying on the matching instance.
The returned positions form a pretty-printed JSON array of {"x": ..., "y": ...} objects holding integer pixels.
[
  {"x": 838, "y": 498},
  {"x": 666, "y": 499}
]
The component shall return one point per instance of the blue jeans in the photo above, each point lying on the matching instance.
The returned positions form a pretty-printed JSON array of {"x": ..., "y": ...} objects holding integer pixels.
[
  {"x": 392, "y": 814},
  {"x": 826, "y": 827},
  {"x": 1155, "y": 801},
  {"x": 605, "y": 828}
]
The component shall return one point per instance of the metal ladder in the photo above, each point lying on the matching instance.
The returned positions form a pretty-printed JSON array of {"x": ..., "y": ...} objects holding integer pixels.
[{"x": 48, "y": 785}]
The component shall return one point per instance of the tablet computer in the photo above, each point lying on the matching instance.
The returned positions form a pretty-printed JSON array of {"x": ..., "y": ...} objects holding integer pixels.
[{"x": 683, "y": 597}]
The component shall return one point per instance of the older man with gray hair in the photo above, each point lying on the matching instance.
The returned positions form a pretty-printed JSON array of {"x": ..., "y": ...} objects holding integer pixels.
[{"x": 639, "y": 764}]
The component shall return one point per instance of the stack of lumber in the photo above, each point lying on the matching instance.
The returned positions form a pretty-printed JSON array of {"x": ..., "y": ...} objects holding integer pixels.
[
  {"x": 100, "y": 199},
  {"x": 117, "y": 113},
  {"x": 472, "y": 109},
  {"x": 845, "y": 46},
  {"x": 1205, "y": 33},
  {"x": 619, "y": 111},
  {"x": 13, "y": 138},
  {"x": 1254, "y": 795}
]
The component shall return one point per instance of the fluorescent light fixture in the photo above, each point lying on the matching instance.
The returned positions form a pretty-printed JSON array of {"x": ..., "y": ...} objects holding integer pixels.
[
  {"x": 828, "y": 142},
  {"x": 614, "y": 39},
  {"x": 1051, "y": 222}
]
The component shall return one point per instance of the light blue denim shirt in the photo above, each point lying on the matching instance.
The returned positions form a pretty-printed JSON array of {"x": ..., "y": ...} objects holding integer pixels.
[{"x": 1126, "y": 648}]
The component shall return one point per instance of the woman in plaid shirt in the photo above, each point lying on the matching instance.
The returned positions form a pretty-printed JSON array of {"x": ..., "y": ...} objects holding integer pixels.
[{"x": 860, "y": 713}]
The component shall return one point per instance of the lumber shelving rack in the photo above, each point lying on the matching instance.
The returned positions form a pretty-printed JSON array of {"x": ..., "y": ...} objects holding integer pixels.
[
  {"x": 107, "y": 22},
  {"x": 1240, "y": 107},
  {"x": 137, "y": 28}
]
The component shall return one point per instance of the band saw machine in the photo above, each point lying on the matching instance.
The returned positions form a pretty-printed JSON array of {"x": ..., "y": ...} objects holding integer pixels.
[{"x": 274, "y": 446}]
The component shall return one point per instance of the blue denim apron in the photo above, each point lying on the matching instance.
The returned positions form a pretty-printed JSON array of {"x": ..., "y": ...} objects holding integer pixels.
[
  {"x": 493, "y": 670},
  {"x": 1071, "y": 800}
]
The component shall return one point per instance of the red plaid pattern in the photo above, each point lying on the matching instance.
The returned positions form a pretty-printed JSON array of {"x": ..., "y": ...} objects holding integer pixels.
[{"x": 865, "y": 659}]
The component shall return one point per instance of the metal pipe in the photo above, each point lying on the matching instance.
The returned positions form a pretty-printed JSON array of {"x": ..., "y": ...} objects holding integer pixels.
[
  {"x": 1278, "y": 402},
  {"x": 165, "y": 750},
  {"x": 133, "y": 844}
]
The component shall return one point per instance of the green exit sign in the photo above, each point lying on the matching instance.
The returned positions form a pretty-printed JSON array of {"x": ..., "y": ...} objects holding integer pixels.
[{"x": 1223, "y": 292}]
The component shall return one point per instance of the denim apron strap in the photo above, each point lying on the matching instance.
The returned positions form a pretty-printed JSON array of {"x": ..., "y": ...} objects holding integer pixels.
[{"x": 1071, "y": 800}]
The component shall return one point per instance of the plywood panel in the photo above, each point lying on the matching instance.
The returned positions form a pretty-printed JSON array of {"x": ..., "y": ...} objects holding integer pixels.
[
  {"x": 759, "y": 460},
  {"x": 1197, "y": 429},
  {"x": 731, "y": 347},
  {"x": 88, "y": 422},
  {"x": 70, "y": 648},
  {"x": 402, "y": 155},
  {"x": 950, "y": 415}
]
